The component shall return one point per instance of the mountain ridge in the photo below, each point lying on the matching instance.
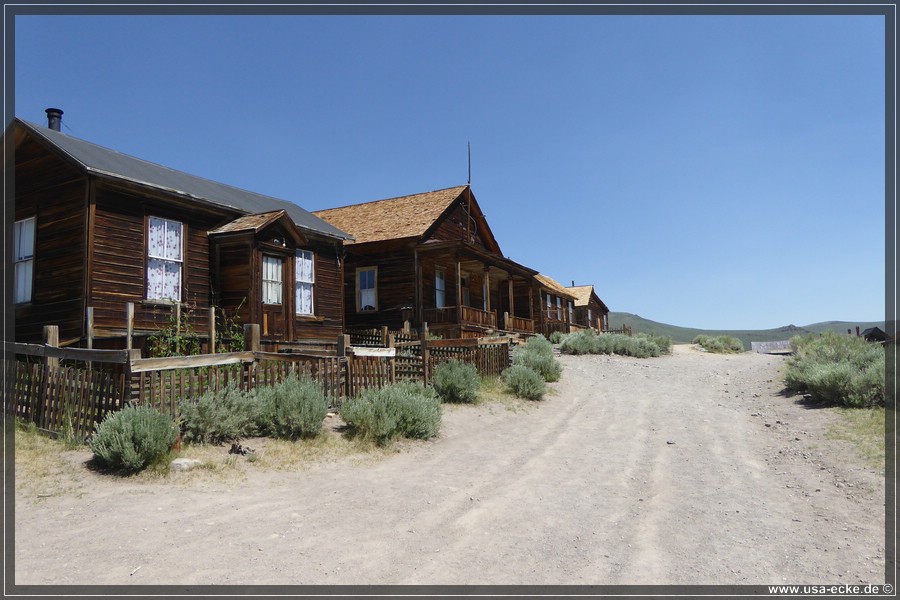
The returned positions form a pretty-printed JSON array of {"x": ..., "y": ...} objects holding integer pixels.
[{"x": 680, "y": 334}]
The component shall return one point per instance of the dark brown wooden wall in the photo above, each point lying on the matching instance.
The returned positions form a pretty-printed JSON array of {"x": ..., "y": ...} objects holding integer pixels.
[
  {"x": 55, "y": 193},
  {"x": 119, "y": 264},
  {"x": 396, "y": 285},
  {"x": 327, "y": 296},
  {"x": 453, "y": 226}
]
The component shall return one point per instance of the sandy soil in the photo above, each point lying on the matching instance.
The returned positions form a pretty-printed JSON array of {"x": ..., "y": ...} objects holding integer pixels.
[{"x": 685, "y": 469}]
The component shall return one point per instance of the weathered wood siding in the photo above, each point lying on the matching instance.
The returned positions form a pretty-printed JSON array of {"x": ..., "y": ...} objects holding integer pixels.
[
  {"x": 396, "y": 285},
  {"x": 453, "y": 227},
  {"x": 328, "y": 291},
  {"x": 119, "y": 265},
  {"x": 48, "y": 188}
]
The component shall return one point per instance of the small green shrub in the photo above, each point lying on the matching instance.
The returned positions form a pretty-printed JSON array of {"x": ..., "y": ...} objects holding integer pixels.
[
  {"x": 220, "y": 416},
  {"x": 524, "y": 382},
  {"x": 537, "y": 355},
  {"x": 556, "y": 337},
  {"x": 294, "y": 408},
  {"x": 132, "y": 438},
  {"x": 578, "y": 343},
  {"x": 456, "y": 381},
  {"x": 841, "y": 369},
  {"x": 722, "y": 344},
  {"x": 640, "y": 346},
  {"x": 406, "y": 409},
  {"x": 663, "y": 342}
]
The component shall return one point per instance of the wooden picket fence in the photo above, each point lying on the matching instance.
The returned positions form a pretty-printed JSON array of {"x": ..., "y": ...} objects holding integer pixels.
[{"x": 72, "y": 397}]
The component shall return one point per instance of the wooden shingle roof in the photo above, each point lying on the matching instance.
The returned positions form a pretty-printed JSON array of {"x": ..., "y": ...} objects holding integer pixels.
[
  {"x": 392, "y": 218},
  {"x": 258, "y": 222},
  {"x": 582, "y": 294},
  {"x": 553, "y": 286}
]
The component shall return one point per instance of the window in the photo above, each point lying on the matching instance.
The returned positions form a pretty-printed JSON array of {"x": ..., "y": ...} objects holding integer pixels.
[
  {"x": 366, "y": 290},
  {"x": 440, "y": 289},
  {"x": 466, "y": 298},
  {"x": 165, "y": 258},
  {"x": 559, "y": 316},
  {"x": 272, "y": 279},
  {"x": 590, "y": 319},
  {"x": 306, "y": 278},
  {"x": 549, "y": 305},
  {"x": 24, "y": 259},
  {"x": 571, "y": 312}
]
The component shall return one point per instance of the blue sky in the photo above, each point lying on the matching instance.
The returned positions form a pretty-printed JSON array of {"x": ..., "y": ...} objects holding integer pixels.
[{"x": 704, "y": 171}]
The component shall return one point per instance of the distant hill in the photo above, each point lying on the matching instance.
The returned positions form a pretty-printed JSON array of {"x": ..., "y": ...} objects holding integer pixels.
[{"x": 687, "y": 334}]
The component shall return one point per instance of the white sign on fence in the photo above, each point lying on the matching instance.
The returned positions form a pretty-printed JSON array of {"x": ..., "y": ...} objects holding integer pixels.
[
  {"x": 365, "y": 351},
  {"x": 780, "y": 347}
]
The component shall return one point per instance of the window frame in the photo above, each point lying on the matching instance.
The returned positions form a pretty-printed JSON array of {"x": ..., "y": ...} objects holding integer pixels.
[
  {"x": 374, "y": 288},
  {"x": 440, "y": 292},
  {"x": 264, "y": 290},
  {"x": 181, "y": 261},
  {"x": 298, "y": 282},
  {"x": 23, "y": 259}
]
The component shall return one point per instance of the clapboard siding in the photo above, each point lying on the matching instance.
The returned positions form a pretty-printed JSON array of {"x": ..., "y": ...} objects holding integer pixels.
[
  {"x": 395, "y": 284},
  {"x": 55, "y": 194},
  {"x": 119, "y": 263},
  {"x": 327, "y": 304},
  {"x": 453, "y": 227}
]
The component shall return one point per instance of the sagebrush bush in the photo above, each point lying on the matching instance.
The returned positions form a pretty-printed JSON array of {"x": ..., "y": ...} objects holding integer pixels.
[
  {"x": 405, "y": 409},
  {"x": 640, "y": 346},
  {"x": 663, "y": 342},
  {"x": 132, "y": 438},
  {"x": 836, "y": 368},
  {"x": 220, "y": 416},
  {"x": 456, "y": 381},
  {"x": 721, "y": 344},
  {"x": 524, "y": 382},
  {"x": 537, "y": 355},
  {"x": 556, "y": 337},
  {"x": 294, "y": 408}
]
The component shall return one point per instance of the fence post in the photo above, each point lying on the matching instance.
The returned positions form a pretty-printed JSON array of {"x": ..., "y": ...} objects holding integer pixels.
[
  {"x": 251, "y": 337},
  {"x": 128, "y": 381},
  {"x": 51, "y": 339},
  {"x": 89, "y": 327},
  {"x": 129, "y": 325},
  {"x": 343, "y": 345},
  {"x": 212, "y": 329},
  {"x": 392, "y": 359},
  {"x": 425, "y": 360},
  {"x": 384, "y": 336}
]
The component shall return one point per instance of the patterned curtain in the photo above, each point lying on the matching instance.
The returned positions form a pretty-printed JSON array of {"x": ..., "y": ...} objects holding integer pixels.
[
  {"x": 164, "y": 250},
  {"x": 306, "y": 277}
]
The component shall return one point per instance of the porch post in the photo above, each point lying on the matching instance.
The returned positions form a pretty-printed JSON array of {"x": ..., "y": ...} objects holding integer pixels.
[
  {"x": 512, "y": 297},
  {"x": 459, "y": 295},
  {"x": 487, "y": 289}
]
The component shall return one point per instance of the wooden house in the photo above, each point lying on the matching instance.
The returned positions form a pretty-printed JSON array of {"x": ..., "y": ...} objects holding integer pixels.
[
  {"x": 590, "y": 311},
  {"x": 100, "y": 229},
  {"x": 557, "y": 309},
  {"x": 431, "y": 258}
]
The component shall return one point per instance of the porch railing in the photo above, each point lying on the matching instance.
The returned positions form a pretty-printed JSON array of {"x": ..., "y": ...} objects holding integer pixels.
[
  {"x": 513, "y": 323},
  {"x": 462, "y": 315}
]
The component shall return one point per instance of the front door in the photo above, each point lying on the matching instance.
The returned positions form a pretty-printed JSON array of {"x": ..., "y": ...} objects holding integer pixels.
[{"x": 273, "y": 306}]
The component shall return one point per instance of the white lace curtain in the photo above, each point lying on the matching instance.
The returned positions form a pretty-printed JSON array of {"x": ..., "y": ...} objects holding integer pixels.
[
  {"x": 164, "y": 259},
  {"x": 306, "y": 278}
]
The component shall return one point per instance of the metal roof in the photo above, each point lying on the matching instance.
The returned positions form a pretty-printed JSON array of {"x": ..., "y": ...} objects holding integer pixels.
[{"x": 105, "y": 162}]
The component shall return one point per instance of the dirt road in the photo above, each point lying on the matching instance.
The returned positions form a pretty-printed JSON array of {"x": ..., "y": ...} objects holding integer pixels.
[{"x": 685, "y": 469}]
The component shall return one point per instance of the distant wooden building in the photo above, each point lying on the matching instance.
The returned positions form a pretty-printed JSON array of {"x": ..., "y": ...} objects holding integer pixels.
[
  {"x": 590, "y": 311},
  {"x": 431, "y": 258},
  {"x": 874, "y": 334},
  {"x": 97, "y": 228},
  {"x": 557, "y": 308}
]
